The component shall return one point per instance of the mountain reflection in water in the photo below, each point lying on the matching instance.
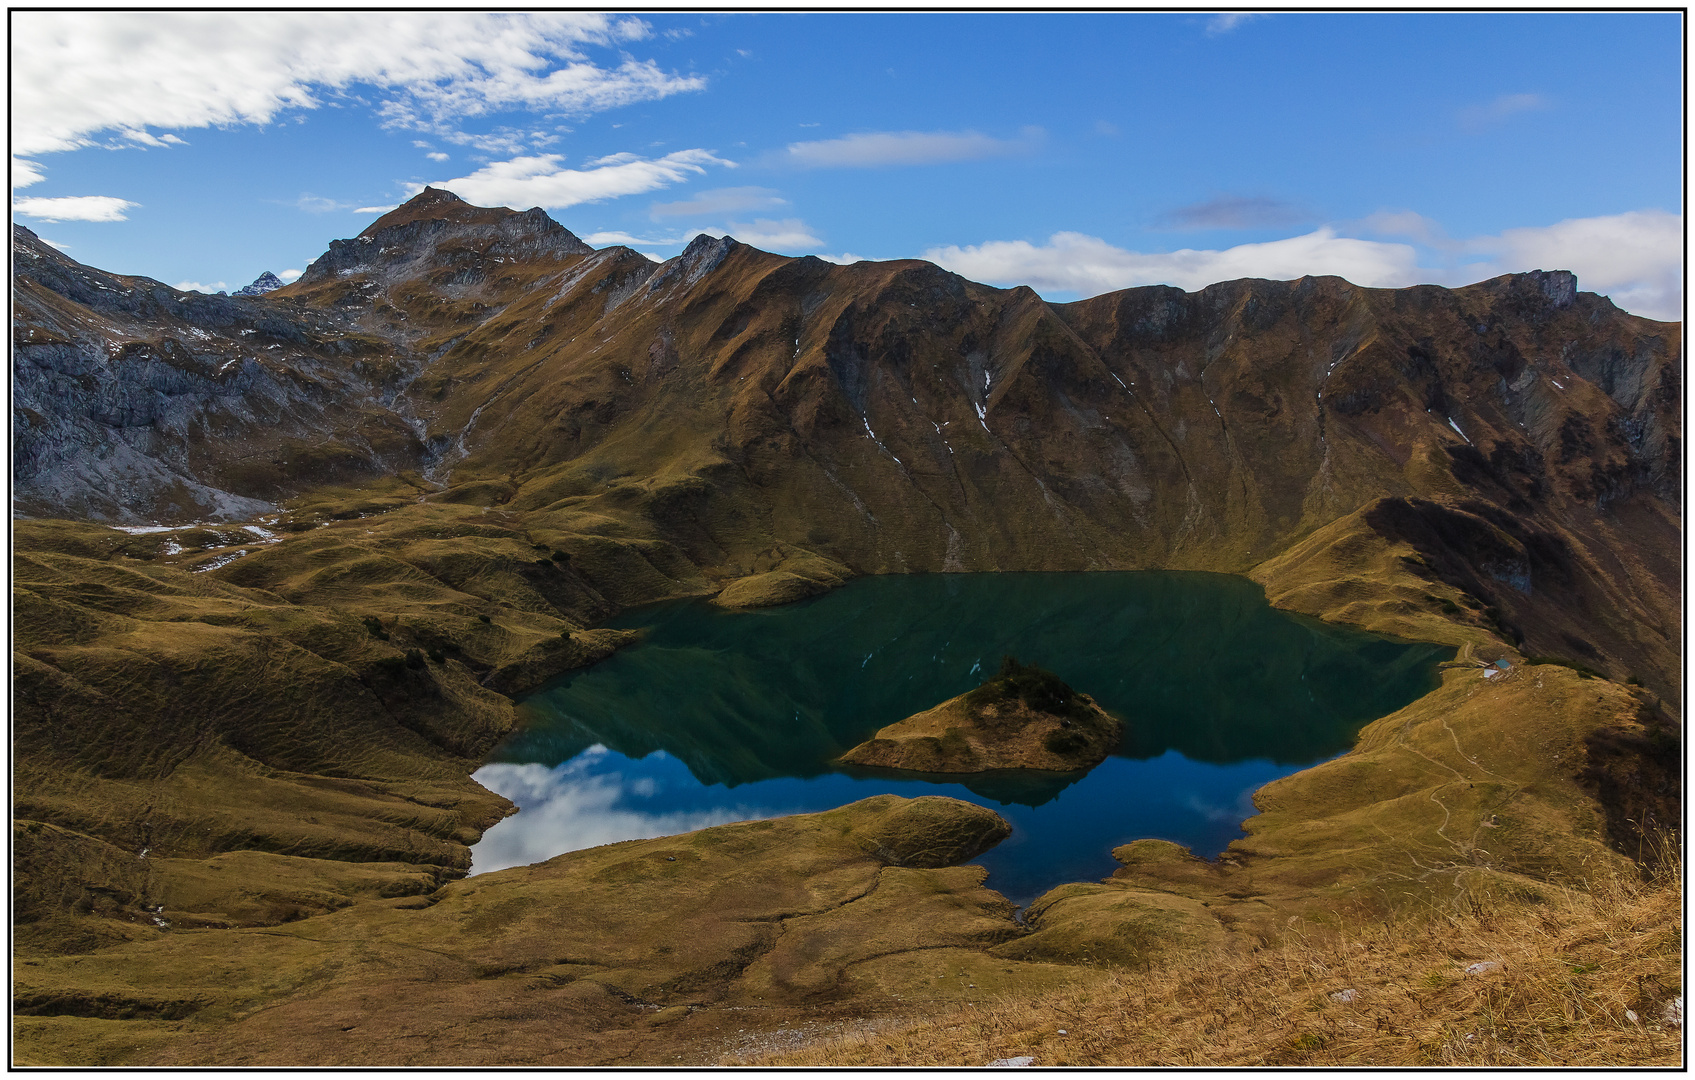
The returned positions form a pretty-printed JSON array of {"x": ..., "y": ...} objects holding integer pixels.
[{"x": 720, "y": 716}]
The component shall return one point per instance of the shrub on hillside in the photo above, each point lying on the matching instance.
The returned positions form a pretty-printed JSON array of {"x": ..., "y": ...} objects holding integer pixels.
[{"x": 1036, "y": 687}]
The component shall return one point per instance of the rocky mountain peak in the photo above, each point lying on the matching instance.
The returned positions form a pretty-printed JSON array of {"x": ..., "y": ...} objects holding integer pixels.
[
  {"x": 436, "y": 204},
  {"x": 262, "y": 284},
  {"x": 432, "y": 196},
  {"x": 436, "y": 229},
  {"x": 701, "y": 257}
]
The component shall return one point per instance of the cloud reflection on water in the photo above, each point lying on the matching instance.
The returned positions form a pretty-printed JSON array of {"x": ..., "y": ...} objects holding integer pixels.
[
  {"x": 576, "y": 805},
  {"x": 1232, "y": 813}
]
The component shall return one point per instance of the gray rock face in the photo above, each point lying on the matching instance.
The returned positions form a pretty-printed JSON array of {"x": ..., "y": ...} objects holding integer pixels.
[
  {"x": 133, "y": 402},
  {"x": 1559, "y": 286},
  {"x": 703, "y": 255}
]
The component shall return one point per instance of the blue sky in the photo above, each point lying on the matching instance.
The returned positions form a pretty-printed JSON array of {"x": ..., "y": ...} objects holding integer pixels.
[{"x": 1075, "y": 153}]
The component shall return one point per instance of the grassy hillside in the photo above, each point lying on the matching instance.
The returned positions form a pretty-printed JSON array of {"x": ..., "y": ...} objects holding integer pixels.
[{"x": 1587, "y": 977}]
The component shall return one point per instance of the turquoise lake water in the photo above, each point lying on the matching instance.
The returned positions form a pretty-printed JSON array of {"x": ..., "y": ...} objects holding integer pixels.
[{"x": 723, "y": 716}]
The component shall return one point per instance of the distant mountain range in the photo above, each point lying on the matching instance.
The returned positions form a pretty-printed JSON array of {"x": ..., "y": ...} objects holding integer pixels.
[{"x": 888, "y": 415}]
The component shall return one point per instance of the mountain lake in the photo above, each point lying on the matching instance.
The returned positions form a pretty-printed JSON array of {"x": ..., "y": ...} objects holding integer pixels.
[{"x": 719, "y": 716}]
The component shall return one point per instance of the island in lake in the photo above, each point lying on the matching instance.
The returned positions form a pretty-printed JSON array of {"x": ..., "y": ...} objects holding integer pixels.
[{"x": 1024, "y": 718}]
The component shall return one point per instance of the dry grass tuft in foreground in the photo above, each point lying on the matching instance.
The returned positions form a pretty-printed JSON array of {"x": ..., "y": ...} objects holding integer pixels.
[{"x": 1581, "y": 979}]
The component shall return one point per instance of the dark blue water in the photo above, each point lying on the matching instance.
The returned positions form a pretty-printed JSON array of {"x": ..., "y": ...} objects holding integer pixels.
[{"x": 722, "y": 716}]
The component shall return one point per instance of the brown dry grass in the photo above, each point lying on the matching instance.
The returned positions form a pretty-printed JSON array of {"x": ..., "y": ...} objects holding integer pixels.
[{"x": 1585, "y": 979}]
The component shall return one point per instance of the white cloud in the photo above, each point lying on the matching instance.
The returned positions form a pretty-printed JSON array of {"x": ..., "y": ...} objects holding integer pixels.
[
  {"x": 79, "y": 74},
  {"x": 436, "y": 155},
  {"x": 1478, "y": 117},
  {"x": 25, "y": 173},
  {"x": 1230, "y": 20},
  {"x": 1235, "y": 212},
  {"x": 376, "y": 209},
  {"x": 878, "y": 148},
  {"x": 844, "y": 259},
  {"x": 502, "y": 140},
  {"x": 289, "y": 275},
  {"x": 603, "y": 239},
  {"x": 1636, "y": 259},
  {"x": 1407, "y": 223},
  {"x": 74, "y": 208},
  {"x": 317, "y": 204},
  {"x": 571, "y": 807},
  {"x": 623, "y": 157},
  {"x": 790, "y": 233},
  {"x": 198, "y": 286},
  {"x": 539, "y": 180},
  {"x": 142, "y": 137},
  {"x": 721, "y": 201},
  {"x": 1087, "y": 265}
]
